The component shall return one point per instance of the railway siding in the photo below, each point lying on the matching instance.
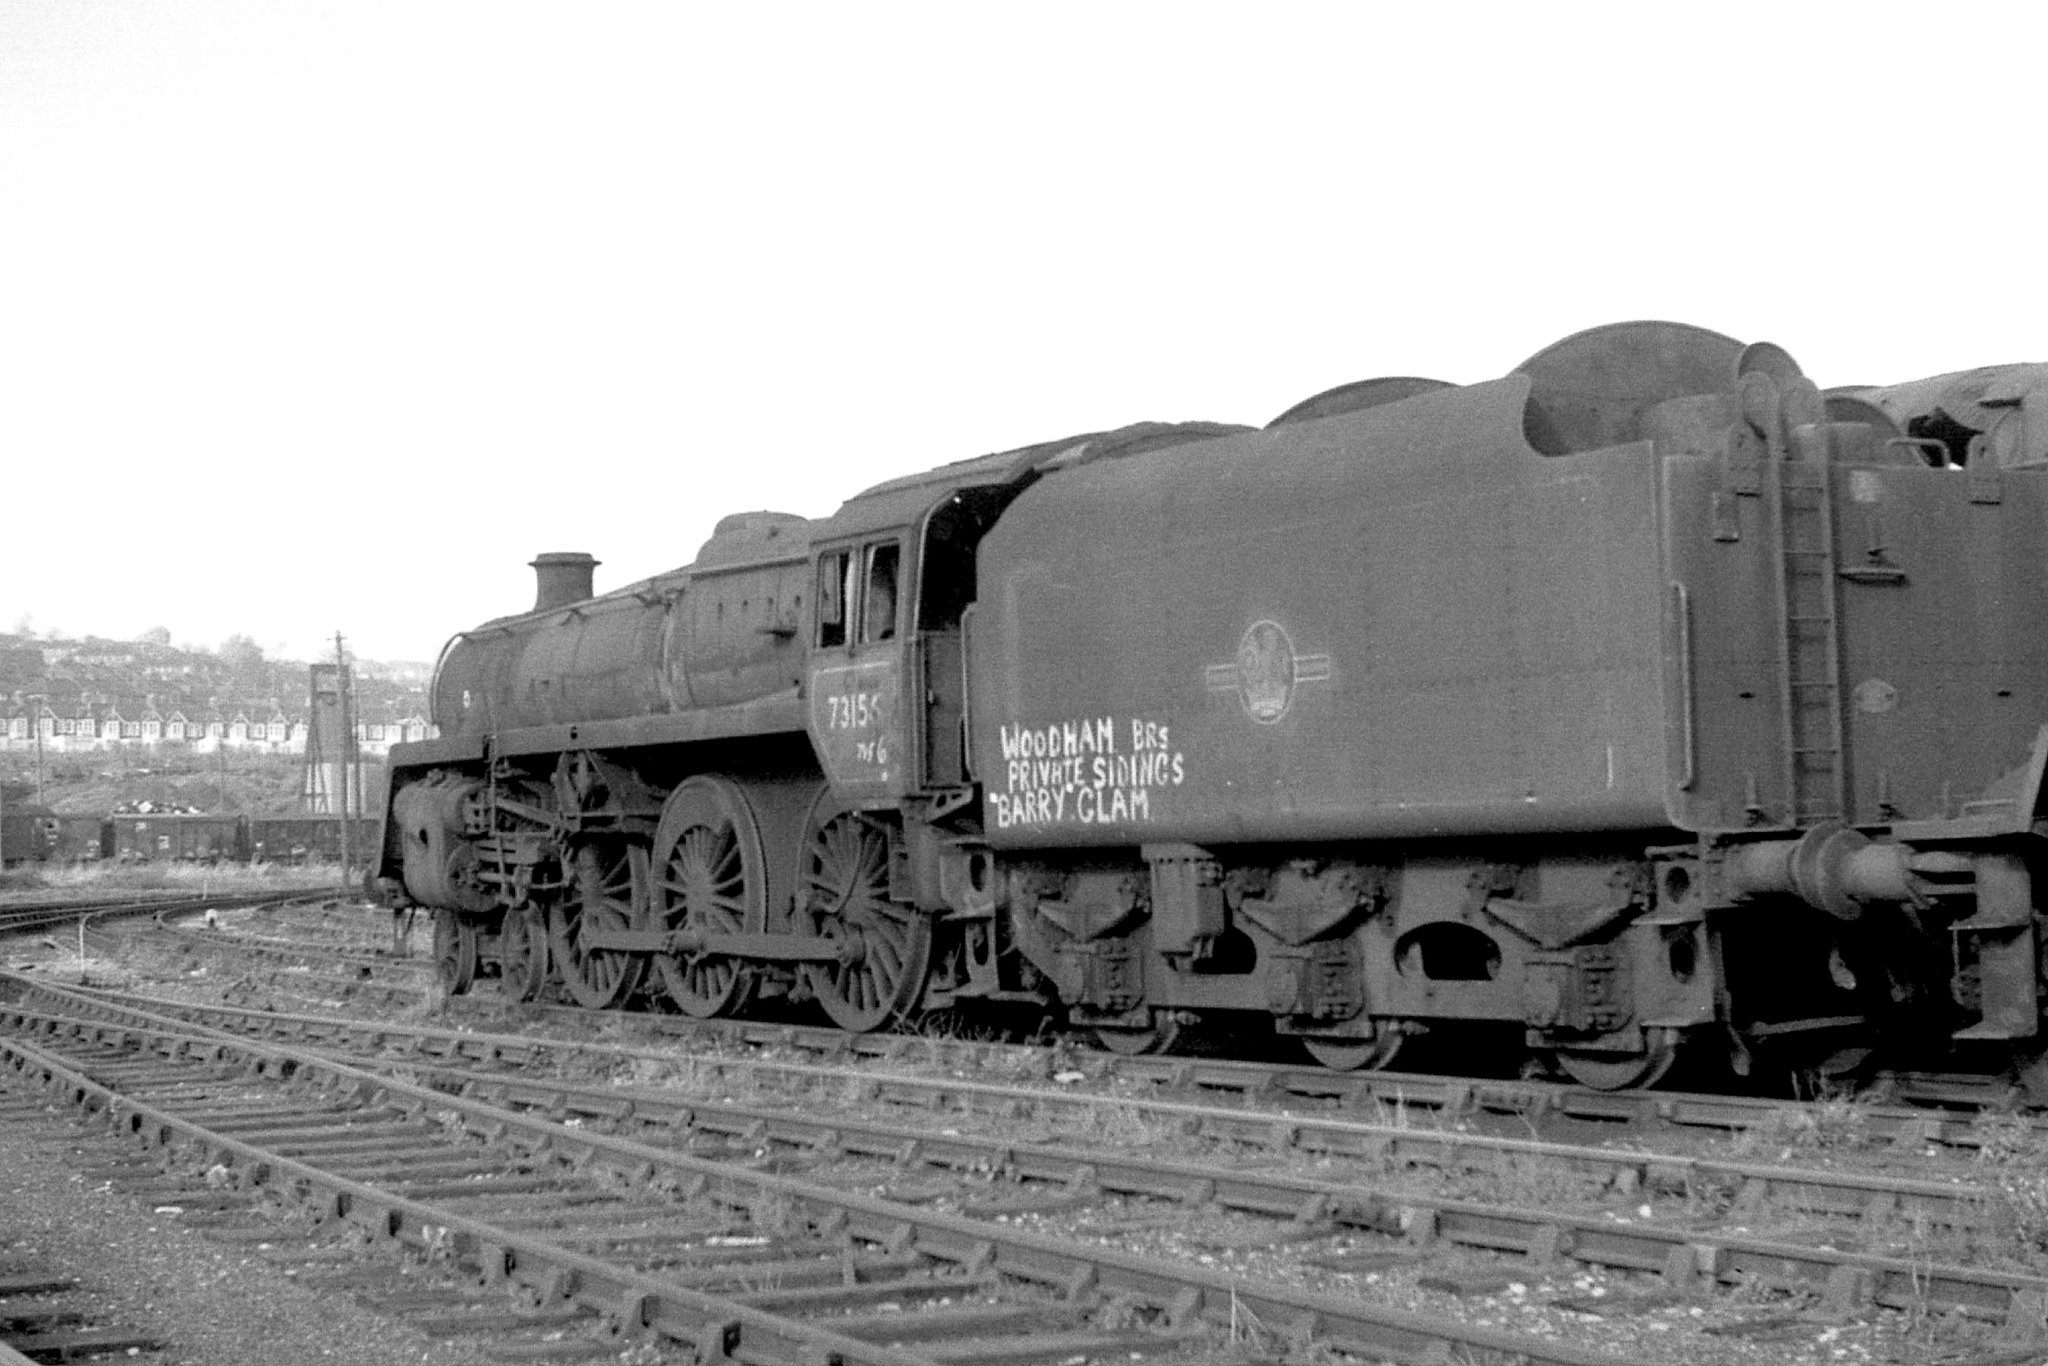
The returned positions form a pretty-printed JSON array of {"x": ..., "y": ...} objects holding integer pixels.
[
  {"x": 1922, "y": 1111},
  {"x": 1181, "y": 1297},
  {"x": 1749, "y": 1184},
  {"x": 600, "y": 1127}
]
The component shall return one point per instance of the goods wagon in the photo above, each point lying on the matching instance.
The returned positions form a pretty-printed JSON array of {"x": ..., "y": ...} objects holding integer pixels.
[
  {"x": 80, "y": 839},
  {"x": 167, "y": 839},
  {"x": 25, "y": 832},
  {"x": 1645, "y": 700},
  {"x": 299, "y": 839}
]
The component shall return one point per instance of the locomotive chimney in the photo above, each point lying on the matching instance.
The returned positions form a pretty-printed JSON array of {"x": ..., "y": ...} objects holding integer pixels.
[{"x": 564, "y": 576}]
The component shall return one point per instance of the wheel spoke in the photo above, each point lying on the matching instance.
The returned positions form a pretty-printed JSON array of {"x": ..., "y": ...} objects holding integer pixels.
[
  {"x": 601, "y": 895},
  {"x": 726, "y": 866},
  {"x": 845, "y": 881},
  {"x": 710, "y": 884}
]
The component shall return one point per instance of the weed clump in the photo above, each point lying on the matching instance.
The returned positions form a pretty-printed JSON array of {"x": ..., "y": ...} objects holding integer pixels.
[
  {"x": 1831, "y": 1124},
  {"x": 2014, "y": 1156}
]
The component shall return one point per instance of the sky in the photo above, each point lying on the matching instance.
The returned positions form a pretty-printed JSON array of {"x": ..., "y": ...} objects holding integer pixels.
[{"x": 329, "y": 317}]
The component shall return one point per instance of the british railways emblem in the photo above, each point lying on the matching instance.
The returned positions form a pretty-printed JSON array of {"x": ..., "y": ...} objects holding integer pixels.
[{"x": 1266, "y": 671}]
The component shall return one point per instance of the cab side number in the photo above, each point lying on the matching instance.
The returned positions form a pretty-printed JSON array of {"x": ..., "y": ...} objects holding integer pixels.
[{"x": 854, "y": 711}]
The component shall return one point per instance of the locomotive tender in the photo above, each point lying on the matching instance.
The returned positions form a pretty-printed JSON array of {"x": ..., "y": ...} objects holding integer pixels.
[{"x": 1647, "y": 699}]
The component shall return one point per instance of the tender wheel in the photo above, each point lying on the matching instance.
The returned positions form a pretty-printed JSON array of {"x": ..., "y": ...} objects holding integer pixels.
[
  {"x": 607, "y": 886},
  {"x": 885, "y": 947},
  {"x": 454, "y": 951},
  {"x": 708, "y": 878},
  {"x": 523, "y": 954},
  {"x": 1352, "y": 1055},
  {"x": 1623, "y": 1071},
  {"x": 1158, "y": 1037}
]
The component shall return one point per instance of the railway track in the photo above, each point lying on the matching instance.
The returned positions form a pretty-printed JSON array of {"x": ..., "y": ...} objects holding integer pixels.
[
  {"x": 41, "y": 1316},
  {"x": 28, "y": 917},
  {"x": 1907, "y": 1110},
  {"x": 1357, "y": 1214},
  {"x": 336, "y": 973},
  {"x": 722, "y": 1252},
  {"x": 1943, "y": 1118},
  {"x": 1477, "y": 1112},
  {"x": 504, "y": 1063}
]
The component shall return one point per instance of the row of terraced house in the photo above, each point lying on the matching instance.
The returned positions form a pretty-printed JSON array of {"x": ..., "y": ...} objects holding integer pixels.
[{"x": 104, "y": 723}]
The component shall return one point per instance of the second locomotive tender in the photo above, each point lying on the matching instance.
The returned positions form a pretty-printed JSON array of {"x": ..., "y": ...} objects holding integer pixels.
[{"x": 1646, "y": 699}]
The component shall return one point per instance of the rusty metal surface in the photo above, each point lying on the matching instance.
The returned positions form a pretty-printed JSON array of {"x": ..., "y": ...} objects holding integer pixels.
[
  {"x": 203, "y": 839},
  {"x": 1596, "y": 388},
  {"x": 1628, "y": 704},
  {"x": 1358, "y": 394},
  {"x": 1307, "y": 634},
  {"x": 1944, "y": 666},
  {"x": 706, "y": 639}
]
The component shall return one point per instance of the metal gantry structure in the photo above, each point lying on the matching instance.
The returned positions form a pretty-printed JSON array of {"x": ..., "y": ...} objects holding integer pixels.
[{"x": 333, "y": 771}]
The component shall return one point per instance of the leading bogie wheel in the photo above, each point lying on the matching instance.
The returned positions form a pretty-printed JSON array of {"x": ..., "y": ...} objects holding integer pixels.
[
  {"x": 523, "y": 954},
  {"x": 884, "y": 946},
  {"x": 454, "y": 951},
  {"x": 607, "y": 886},
  {"x": 708, "y": 879}
]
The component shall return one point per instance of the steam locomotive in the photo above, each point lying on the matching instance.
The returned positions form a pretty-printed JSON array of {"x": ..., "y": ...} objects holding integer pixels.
[{"x": 1646, "y": 702}]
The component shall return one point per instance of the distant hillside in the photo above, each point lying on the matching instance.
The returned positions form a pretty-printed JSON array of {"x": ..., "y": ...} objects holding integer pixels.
[
  {"x": 224, "y": 783},
  {"x": 65, "y": 670}
]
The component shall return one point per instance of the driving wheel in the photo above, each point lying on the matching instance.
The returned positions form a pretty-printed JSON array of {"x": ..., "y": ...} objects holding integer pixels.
[
  {"x": 607, "y": 884},
  {"x": 884, "y": 946},
  {"x": 708, "y": 879}
]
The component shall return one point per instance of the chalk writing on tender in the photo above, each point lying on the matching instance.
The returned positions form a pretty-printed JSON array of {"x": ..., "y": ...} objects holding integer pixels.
[{"x": 1090, "y": 771}]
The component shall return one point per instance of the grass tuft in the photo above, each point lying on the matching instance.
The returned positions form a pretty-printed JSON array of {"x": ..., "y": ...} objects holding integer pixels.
[{"x": 1830, "y": 1124}]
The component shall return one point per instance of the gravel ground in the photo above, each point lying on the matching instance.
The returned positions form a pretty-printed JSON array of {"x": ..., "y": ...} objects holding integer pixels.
[
  {"x": 210, "y": 1304},
  {"x": 1599, "y": 1310}
]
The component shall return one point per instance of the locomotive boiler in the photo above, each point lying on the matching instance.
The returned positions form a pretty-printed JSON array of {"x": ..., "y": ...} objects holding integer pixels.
[{"x": 1646, "y": 700}]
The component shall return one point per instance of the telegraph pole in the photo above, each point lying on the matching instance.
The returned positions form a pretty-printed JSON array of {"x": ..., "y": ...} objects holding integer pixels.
[
  {"x": 41, "y": 702},
  {"x": 341, "y": 754}
]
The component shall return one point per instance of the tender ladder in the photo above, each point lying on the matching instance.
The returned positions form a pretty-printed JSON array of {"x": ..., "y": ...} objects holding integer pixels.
[{"x": 1816, "y": 775}]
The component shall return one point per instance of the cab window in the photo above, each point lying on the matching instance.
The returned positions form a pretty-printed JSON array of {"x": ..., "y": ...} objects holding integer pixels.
[
  {"x": 878, "y": 610},
  {"x": 833, "y": 593}
]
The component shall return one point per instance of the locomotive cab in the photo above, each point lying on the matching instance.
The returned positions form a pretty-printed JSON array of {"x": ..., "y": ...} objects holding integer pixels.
[
  {"x": 895, "y": 585},
  {"x": 856, "y": 667}
]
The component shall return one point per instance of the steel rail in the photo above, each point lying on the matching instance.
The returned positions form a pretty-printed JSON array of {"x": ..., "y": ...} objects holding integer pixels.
[
  {"x": 649, "y": 1301},
  {"x": 1815, "y": 1190},
  {"x": 214, "y": 941},
  {"x": 1845, "y": 1280},
  {"x": 1450, "y": 1098},
  {"x": 1919, "y": 1109},
  {"x": 29, "y": 917},
  {"x": 1825, "y": 1189},
  {"x": 1187, "y": 1294}
]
